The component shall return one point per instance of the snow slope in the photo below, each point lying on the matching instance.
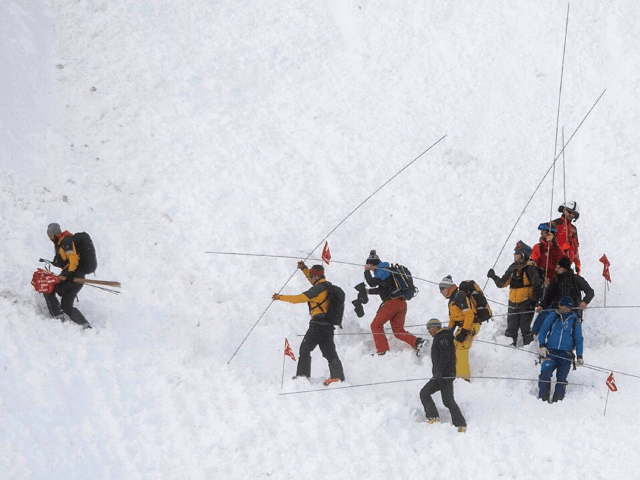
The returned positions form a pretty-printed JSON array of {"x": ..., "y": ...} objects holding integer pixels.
[{"x": 167, "y": 129}]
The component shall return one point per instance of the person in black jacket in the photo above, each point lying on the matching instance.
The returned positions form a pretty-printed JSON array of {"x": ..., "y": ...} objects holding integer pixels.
[
  {"x": 443, "y": 359},
  {"x": 525, "y": 289},
  {"x": 565, "y": 283}
]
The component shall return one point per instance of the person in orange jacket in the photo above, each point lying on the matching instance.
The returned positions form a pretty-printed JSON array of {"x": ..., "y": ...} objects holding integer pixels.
[
  {"x": 567, "y": 237},
  {"x": 67, "y": 258},
  {"x": 546, "y": 253},
  {"x": 320, "y": 331}
]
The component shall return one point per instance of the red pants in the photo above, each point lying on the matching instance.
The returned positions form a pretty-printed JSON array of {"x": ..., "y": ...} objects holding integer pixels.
[{"x": 394, "y": 310}]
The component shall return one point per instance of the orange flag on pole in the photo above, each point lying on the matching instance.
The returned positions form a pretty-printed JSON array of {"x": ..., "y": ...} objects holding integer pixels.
[
  {"x": 287, "y": 350},
  {"x": 326, "y": 254}
]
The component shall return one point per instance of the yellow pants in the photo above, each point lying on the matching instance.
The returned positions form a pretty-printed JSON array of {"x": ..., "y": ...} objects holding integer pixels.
[{"x": 462, "y": 353}]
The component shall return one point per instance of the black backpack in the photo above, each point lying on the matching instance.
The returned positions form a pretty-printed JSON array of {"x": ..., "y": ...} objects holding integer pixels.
[
  {"x": 86, "y": 251},
  {"x": 336, "y": 299},
  {"x": 478, "y": 300},
  {"x": 403, "y": 282}
]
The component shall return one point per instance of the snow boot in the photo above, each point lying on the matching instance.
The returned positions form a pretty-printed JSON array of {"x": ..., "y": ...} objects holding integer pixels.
[
  {"x": 421, "y": 347},
  {"x": 329, "y": 381}
]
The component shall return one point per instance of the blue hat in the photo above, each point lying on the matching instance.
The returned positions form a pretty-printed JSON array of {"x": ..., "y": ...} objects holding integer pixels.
[{"x": 566, "y": 301}]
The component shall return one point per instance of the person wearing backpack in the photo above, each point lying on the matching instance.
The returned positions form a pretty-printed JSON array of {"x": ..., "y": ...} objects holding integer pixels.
[
  {"x": 393, "y": 308},
  {"x": 320, "y": 332},
  {"x": 559, "y": 336},
  {"x": 525, "y": 288},
  {"x": 443, "y": 360},
  {"x": 69, "y": 260},
  {"x": 463, "y": 315}
]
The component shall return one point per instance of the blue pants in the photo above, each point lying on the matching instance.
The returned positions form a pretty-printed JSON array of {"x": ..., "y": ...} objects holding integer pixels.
[{"x": 556, "y": 360}]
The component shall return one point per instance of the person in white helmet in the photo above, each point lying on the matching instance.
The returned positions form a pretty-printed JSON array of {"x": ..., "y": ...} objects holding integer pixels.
[{"x": 567, "y": 236}]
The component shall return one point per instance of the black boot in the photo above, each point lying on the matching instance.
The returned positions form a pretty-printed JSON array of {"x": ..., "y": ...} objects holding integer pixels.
[{"x": 527, "y": 338}]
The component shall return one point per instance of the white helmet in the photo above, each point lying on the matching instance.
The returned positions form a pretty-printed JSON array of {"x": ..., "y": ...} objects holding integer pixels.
[{"x": 572, "y": 206}]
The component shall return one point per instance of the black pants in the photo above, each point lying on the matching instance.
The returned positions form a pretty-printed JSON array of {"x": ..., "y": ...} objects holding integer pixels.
[
  {"x": 319, "y": 336},
  {"x": 519, "y": 319},
  {"x": 68, "y": 292},
  {"x": 446, "y": 390}
]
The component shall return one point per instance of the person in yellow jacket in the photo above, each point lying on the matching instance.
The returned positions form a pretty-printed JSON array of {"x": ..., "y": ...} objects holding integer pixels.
[
  {"x": 463, "y": 321},
  {"x": 320, "y": 331},
  {"x": 525, "y": 289}
]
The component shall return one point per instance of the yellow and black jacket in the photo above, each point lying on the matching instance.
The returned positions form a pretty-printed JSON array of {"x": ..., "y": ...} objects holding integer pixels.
[
  {"x": 524, "y": 282},
  {"x": 462, "y": 312},
  {"x": 66, "y": 256},
  {"x": 316, "y": 298}
]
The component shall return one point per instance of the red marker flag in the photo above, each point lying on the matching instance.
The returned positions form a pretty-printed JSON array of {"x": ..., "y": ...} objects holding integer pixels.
[
  {"x": 605, "y": 272},
  {"x": 326, "y": 254},
  {"x": 287, "y": 350},
  {"x": 611, "y": 383}
]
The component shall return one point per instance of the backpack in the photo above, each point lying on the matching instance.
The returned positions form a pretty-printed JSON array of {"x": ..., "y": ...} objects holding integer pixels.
[
  {"x": 336, "y": 299},
  {"x": 86, "y": 251},
  {"x": 403, "y": 281},
  {"x": 478, "y": 300}
]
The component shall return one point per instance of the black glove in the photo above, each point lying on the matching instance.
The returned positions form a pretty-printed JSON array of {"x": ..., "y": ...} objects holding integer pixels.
[
  {"x": 358, "y": 308},
  {"x": 462, "y": 335},
  {"x": 363, "y": 296},
  {"x": 70, "y": 276},
  {"x": 491, "y": 273},
  {"x": 302, "y": 265}
]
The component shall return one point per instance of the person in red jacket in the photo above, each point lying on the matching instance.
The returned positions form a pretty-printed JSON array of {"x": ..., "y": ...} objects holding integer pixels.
[
  {"x": 546, "y": 253},
  {"x": 567, "y": 237}
]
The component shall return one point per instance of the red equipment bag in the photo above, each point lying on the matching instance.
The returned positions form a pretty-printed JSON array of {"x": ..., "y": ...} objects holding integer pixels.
[{"x": 44, "y": 281}]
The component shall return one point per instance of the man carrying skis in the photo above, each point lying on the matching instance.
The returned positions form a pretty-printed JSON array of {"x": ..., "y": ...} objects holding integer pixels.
[
  {"x": 392, "y": 309},
  {"x": 559, "y": 336},
  {"x": 320, "y": 331},
  {"x": 525, "y": 288},
  {"x": 443, "y": 359},
  {"x": 67, "y": 258}
]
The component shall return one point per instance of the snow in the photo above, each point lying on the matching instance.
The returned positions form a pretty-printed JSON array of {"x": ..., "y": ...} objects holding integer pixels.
[{"x": 167, "y": 129}]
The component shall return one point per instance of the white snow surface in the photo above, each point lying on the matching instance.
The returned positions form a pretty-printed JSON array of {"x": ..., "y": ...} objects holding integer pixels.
[{"x": 169, "y": 128}]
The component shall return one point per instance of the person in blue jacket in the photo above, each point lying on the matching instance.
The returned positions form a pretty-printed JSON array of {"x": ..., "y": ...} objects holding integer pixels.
[{"x": 559, "y": 336}]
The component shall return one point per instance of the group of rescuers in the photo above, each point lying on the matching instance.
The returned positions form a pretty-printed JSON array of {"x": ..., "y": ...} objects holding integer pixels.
[{"x": 540, "y": 280}]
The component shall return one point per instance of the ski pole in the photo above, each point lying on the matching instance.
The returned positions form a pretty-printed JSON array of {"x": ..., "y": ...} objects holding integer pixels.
[
  {"x": 329, "y": 234},
  {"x": 314, "y": 259},
  {"x": 555, "y": 146},
  {"x": 427, "y": 379}
]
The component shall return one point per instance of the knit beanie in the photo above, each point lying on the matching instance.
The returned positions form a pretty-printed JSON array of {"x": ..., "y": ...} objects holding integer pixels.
[
  {"x": 317, "y": 270},
  {"x": 446, "y": 282},
  {"x": 373, "y": 258},
  {"x": 564, "y": 262}
]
